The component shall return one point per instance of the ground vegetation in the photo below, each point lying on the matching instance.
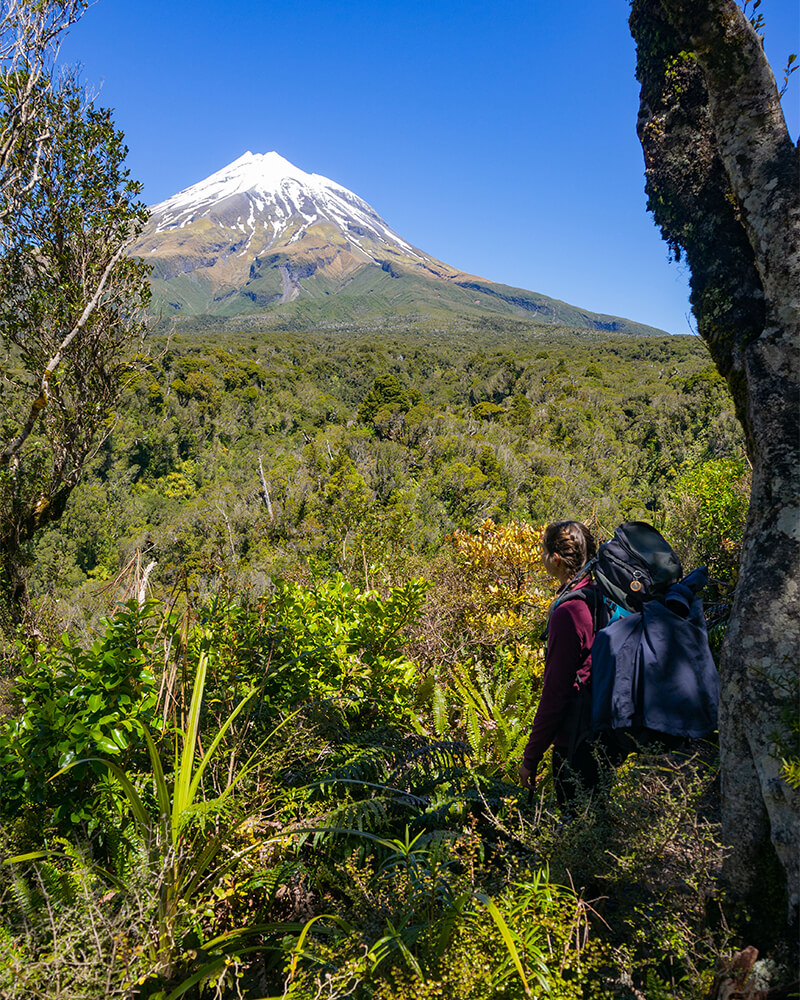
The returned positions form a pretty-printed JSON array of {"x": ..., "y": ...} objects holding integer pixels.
[{"x": 285, "y": 765}]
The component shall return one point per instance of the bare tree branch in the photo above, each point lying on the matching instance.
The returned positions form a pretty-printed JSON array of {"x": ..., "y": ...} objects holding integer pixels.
[
  {"x": 29, "y": 45},
  {"x": 265, "y": 488}
]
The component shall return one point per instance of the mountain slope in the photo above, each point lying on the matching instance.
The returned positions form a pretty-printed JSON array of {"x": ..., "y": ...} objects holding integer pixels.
[{"x": 261, "y": 234}]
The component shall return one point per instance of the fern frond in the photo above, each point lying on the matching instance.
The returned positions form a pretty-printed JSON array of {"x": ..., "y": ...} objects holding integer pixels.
[
  {"x": 426, "y": 763},
  {"x": 272, "y": 879},
  {"x": 24, "y": 896},
  {"x": 474, "y": 731},
  {"x": 57, "y": 883},
  {"x": 441, "y": 719},
  {"x": 367, "y": 763},
  {"x": 511, "y": 692},
  {"x": 366, "y": 815},
  {"x": 472, "y": 697}
]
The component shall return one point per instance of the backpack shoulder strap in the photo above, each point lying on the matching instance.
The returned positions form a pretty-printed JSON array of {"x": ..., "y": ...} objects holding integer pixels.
[
  {"x": 589, "y": 595},
  {"x": 586, "y": 594}
]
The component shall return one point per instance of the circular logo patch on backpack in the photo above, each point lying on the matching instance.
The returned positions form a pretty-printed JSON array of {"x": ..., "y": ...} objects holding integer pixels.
[{"x": 635, "y": 586}]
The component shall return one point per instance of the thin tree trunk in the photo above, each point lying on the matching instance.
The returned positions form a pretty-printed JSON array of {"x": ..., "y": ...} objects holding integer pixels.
[{"x": 265, "y": 490}]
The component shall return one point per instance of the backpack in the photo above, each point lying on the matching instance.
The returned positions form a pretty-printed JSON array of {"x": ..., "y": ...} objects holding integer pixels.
[
  {"x": 653, "y": 675},
  {"x": 635, "y": 566}
]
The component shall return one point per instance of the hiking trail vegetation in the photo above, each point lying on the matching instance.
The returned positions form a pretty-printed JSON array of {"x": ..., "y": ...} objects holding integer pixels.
[{"x": 272, "y": 610}]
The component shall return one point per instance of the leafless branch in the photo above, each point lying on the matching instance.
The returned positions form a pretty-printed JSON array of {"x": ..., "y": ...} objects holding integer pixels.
[{"x": 265, "y": 488}]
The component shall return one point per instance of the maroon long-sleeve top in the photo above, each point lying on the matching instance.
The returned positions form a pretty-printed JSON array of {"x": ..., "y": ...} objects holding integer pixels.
[{"x": 567, "y": 667}]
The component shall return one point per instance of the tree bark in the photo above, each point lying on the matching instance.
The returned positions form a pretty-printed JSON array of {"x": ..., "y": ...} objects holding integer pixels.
[{"x": 722, "y": 179}]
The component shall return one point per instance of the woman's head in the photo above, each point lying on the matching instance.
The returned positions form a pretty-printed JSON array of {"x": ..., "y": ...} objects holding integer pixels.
[{"x": 566, "y": 547}]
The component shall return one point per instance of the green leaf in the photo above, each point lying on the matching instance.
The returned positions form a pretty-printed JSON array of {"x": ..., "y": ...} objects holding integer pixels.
[
  {"x": 507, "y": 937},
  {"x": 95, "y": 702},
  {"x": 183, "y": 782},
  {"x": 119, "y": 739}
]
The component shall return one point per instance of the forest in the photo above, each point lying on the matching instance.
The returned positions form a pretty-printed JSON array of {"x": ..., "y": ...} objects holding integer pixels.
[
  {"x": 361, "y": 451},
  {"x": 289, "y": 652},
  {"x": 273, "y": 606}
]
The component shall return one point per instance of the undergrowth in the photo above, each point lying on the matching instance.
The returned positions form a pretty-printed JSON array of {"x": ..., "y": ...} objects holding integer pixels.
[{"x": 305, "y": 812}]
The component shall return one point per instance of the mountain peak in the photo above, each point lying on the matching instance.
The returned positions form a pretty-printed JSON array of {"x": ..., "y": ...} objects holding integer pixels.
[
  {"x": 266, "y": 171},
  {"x": 252, "y": 172},
  {"x": 261, "y": 232},
  {"x": 265, "y": 196}
]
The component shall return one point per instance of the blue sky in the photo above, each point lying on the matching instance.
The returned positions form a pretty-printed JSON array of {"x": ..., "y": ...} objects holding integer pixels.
[{"x": 497, "y": 137}]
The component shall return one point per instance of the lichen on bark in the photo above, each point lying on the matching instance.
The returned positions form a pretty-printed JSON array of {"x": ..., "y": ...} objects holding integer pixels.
[{"x": 722, "y": 183}]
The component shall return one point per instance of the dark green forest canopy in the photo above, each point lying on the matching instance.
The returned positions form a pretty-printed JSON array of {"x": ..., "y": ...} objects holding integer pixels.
[{"x": 251, "y": 452}]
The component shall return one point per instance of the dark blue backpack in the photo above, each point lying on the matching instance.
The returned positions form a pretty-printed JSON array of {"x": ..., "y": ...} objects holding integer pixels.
[{"x": 653, "y": 675}]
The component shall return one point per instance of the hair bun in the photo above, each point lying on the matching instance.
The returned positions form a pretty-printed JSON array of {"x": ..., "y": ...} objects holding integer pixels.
[{"x": 572, "y": 541}]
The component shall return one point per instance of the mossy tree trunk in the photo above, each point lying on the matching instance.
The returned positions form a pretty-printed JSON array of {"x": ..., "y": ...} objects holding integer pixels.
[{"x": 722, "y": 181}]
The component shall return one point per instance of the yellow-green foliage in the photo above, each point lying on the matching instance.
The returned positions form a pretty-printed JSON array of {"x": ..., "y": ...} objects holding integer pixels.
[
  {"x": 707, "y": 514},
  {"x": 508, "y": 590}
]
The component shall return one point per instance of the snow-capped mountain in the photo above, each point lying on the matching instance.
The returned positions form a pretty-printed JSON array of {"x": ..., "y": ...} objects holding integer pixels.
[
  {"x": 261, "y": 233},
  {"x": 270, "y": 201}
]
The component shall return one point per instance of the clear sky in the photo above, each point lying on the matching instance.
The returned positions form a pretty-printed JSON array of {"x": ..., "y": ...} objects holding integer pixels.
[{"x": 499, "y": 137}]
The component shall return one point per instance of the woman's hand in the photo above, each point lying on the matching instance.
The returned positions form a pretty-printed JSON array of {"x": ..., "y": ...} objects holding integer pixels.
[{"x": 527, "y": 778}]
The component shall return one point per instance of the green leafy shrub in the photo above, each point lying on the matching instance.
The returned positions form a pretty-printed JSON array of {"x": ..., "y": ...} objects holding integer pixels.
[
  {"x": 386, "y": 391},
  {"x": 707, "y": 514},
  {"x": 486, "y": 410},
  {"x": 77, "y": 703},
  {"x": 336, "y": 642}
]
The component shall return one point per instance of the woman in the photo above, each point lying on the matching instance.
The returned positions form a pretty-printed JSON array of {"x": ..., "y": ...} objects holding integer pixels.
[{"x": 566, "y": 547}]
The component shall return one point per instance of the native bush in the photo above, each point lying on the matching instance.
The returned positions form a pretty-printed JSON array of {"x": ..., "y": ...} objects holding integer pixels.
[
  {"x": 508, "y": 590},
  {"x": 706, "y": 516},
  {"x": 66, "y": 933},
  {"x": 333, "y": 641},
  {"x": 76, "y": 703},
  {"x": 188, "y": 841},
  {"x": 377, "y": 830},
  {"x": 648, "y": 857},
  {"x": 425, "y": 471},
  {"x": 487, "y": 694},
  {"x": 364, "y": 852},
  {"x": 530, "y": 939}
]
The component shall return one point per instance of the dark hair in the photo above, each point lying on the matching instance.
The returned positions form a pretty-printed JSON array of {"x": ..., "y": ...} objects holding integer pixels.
[{"x": 572, "y": 540}]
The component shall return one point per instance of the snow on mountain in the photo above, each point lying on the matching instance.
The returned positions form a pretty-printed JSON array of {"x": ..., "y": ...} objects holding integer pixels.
[
  {"x": 264, "y": 191},
  {"x": 261, "y": 233}
]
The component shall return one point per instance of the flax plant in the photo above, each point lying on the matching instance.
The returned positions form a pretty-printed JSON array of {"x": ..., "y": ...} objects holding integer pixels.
[{"x": 187, "y": 857}]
